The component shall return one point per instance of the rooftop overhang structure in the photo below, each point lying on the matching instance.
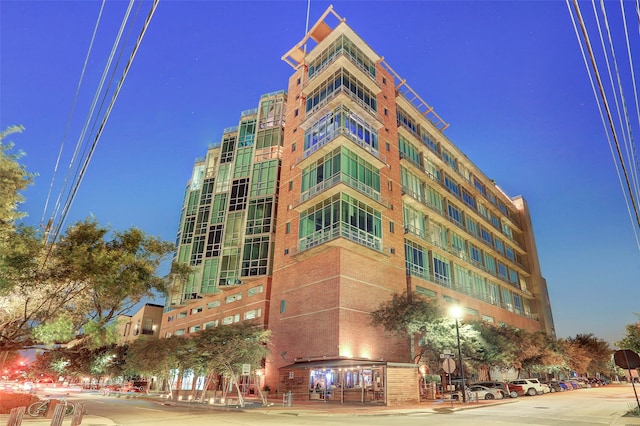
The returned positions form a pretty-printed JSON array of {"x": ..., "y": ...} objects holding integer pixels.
[{"x": 297, "y": 57}]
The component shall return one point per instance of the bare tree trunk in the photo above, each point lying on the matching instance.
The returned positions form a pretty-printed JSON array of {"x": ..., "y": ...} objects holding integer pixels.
[
  {"x": 412, "y": 347},
  {"x": 234, "y": 377},
  {"x": 225, "y": 385},
  {"x": 262, "y": 395},
  {"x": 240, "y": 396},
  {"x": 207, "y": 383},
  {"x": 169, "y": 382}
]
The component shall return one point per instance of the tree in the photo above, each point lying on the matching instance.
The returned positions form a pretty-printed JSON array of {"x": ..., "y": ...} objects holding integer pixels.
[
  {"x": 160, "y": 357},
  {"x": 13, "y": 179},
  {"x": 497, "y": 347},
  {"x": 631, "y": 339},
  {"x": 407, "y": 315},
  {"x": 546, "y": 358},
  {"x": 224, "y": 350},
  {"x": 76, "y": 288},
  {"x": 587, "y": 354}
]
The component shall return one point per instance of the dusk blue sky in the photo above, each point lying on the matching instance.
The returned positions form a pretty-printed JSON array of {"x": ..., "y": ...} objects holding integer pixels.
[{"x": 508, "y": 76}]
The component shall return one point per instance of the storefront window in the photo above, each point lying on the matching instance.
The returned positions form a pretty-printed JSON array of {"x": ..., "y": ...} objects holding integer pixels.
[{"x": 347, "y": 384}]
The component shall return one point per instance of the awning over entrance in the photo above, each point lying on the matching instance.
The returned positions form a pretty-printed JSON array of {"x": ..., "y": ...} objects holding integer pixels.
[{"x": 335, "y": 363}]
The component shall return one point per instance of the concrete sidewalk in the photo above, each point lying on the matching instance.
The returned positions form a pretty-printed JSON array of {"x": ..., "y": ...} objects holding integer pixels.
[{"x": 310, "y": 408}]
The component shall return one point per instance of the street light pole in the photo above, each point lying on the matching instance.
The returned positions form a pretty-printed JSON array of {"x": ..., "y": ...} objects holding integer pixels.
[{"x": 464, "y": 389}]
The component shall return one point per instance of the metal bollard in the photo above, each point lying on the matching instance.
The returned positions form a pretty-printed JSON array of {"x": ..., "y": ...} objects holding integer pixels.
[
  {"x": 76, "y": 420},
  {"x": 15, "y": 416},
  {"x": 58, "y": 415}
]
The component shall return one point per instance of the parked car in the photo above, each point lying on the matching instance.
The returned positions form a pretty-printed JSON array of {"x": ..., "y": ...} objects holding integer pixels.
[
  {"x": 131, "y": 388},
  {"x": 594, "y": 381},
  {"x": 531, "y": 386},
  {"x": 554, "y": 386},
  {"x": 478, "y": 392},
  {"x": 512, "y": 391},
  {"x": 112, "y": 387}
]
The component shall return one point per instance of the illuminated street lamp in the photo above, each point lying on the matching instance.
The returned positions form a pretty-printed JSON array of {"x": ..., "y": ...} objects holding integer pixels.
[{"x": 456, "y": 312}]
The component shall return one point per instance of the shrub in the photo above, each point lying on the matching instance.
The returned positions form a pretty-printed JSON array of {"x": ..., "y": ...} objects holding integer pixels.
[
  {"x": 634, "y": 410},
  {"x": 9, "y": 400}
]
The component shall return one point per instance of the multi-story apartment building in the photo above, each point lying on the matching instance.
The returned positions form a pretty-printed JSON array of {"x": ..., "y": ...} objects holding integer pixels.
[
  {"x": 144, "y": 323},
  {"x": 227, "y": 225},
  {"x": 371, "y": 199}
]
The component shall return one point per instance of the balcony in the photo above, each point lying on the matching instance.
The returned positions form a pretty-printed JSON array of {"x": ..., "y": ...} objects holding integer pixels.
[
  {"x": 353, "y": 99},
  {"x": 337, "y": 179},
  {"x": 325, "y": 139},
  {"x": 341, "y": 230},
  {"x": 342, "y": 61}
]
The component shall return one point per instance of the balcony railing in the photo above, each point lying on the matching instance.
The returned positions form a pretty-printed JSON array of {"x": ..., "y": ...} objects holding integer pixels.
[
  {"x": 340, "y": 230},
  {"x": 341, "y": 178},
  {"x": 332, "y": 135},
  {"x": 447, "y": 282},
  {"x": 335, "y": 93},
  {"x": 340, "y": 54}
]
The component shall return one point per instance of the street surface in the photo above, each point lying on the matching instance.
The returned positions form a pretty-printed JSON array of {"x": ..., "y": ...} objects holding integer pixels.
[{"x": 595, "y": 406}]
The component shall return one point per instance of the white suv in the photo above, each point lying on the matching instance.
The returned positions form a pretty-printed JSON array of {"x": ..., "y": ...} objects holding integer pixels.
[{"x": 531, "y": 386}]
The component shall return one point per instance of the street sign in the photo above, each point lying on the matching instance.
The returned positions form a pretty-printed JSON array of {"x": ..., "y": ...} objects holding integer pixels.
[
  {"x": 246, "y": 369},
  {"x": 626, "y": 358},
  {"x": 449, "y": 365}
]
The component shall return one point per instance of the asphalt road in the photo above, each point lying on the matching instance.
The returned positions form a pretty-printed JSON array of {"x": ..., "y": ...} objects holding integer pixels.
[{"x": 596, "y": 406}]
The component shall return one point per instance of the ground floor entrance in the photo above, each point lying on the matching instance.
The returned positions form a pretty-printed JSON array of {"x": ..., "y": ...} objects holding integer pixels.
[
  {"x": 355, "y": 384},
  {"x": 350, "y": 381}
]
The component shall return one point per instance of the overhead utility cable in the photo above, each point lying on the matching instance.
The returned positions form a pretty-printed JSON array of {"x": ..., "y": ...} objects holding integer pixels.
[
  {"x": 73, "y": 106},
  {"x": 627, "y": 137},
  {"x": 602, "y": 118},
  {"x": 633, "y": 82},
  {"x": 104, "y": 120},
  {"x": 609, "y": 121},
  {"x": 83, "y": 133}
]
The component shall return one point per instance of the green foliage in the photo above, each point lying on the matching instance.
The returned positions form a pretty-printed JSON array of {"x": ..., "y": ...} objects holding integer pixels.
[
  {"x": 226, "y": 349},
  {"x": 13, "y": 179},
  {"x": 60, "y": 329},
  {"x": 497, "y": 345},
  {"x": 631, "y": 339},
  {"x": 408, "y": 315},
  {"x": 19, "y": 258},
  {"x": 14, "y": 400},
  {"x": 101, "y": 334},
  {"x": 75, "y": 361},
  {"x": 158, "y": 357},
  {"x": 486, "y": 345},
  {"x": 83, "y": 282}
]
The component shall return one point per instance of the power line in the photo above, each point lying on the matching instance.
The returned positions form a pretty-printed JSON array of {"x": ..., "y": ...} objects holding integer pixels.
[
  {"x": 73, "y": 106},
  {"x": 55, "y": 226},
  {"x": 609, "y": 125}
]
